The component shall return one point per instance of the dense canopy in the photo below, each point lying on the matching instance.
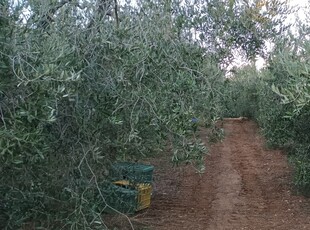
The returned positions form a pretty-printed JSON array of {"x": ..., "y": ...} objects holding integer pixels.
[{"x": 85, "y": 83}]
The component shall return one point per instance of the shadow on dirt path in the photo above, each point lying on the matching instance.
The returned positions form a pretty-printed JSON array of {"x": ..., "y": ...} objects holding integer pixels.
[{"x": 245, "y": 186}]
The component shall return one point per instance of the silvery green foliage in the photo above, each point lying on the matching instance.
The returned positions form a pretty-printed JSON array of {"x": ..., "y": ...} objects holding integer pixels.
[
  {"x": 280, "y": 95},
  {"x": 85, "y": 83}
]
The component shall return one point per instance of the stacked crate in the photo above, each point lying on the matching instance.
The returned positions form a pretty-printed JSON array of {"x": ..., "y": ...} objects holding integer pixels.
[{"x": 132, "y": 185}]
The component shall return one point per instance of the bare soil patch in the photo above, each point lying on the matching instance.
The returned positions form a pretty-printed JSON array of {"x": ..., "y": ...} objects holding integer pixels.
[{"x": 245, "y": 186}]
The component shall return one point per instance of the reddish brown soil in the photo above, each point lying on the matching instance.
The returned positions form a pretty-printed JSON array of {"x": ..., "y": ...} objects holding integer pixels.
[{"x": 245, "y": 186}]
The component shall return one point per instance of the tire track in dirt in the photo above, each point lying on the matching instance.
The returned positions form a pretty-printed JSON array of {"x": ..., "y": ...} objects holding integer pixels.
[
  {"x": 228, "y": 188},
  {"x": 245, "y": 186}
]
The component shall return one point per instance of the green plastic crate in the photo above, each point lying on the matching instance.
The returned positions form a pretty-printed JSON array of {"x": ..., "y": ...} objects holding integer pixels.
[
  {"x": 144, "y": 193},
  {"x": 121, "y": 198},
  {"x": 135, "y": 172}
]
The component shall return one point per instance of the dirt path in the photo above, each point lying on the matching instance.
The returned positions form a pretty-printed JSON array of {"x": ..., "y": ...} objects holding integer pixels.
[{"x": 245, "y": 186}]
